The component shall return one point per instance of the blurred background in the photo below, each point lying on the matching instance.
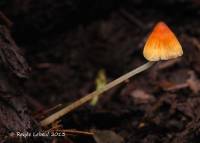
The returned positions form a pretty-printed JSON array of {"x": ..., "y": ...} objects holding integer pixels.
[{"x": 66, "y": 43}]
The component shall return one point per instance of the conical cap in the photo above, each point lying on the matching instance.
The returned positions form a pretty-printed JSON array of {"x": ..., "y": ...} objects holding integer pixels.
[{"x": 162, "y": 44}]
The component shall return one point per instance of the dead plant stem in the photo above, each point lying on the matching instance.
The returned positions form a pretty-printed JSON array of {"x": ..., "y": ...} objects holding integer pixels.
[{"x": 50, "y": 119}]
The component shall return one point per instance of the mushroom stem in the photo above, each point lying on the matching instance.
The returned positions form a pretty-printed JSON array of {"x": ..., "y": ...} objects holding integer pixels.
[{"x": 50, "y": 119}]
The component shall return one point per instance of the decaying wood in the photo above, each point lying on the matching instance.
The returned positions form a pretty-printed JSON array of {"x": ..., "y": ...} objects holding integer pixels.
[
  {"x": 14, "y": 114},
  {"x": 10, "y": 55}
]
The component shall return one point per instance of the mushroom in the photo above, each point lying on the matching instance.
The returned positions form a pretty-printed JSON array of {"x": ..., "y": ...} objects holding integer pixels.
[{"x": 162, "y": 44}]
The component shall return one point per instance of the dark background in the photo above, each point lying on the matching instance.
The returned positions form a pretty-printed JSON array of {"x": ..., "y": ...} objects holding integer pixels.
[{"x": 67, "y": 42}]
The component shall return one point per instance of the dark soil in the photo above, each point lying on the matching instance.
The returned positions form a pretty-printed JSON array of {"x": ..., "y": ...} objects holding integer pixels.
[{"x": 67, "y": 42}]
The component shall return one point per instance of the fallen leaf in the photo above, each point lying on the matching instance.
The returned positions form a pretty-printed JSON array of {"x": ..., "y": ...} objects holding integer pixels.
[
  {"x": 141, "y": 125},
  {"x": 107, "y": 136},
  {"x": 193, "y": 82},
  {"x": 171, "y": 86},
  {"x": 141, "y": 96}
]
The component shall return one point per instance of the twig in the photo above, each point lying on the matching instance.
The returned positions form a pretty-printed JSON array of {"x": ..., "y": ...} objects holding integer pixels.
[
  {"x": 132, "y": 19},
  {"x": 88, "y": 97},
  {"x": 167, "y": 64},
  {"x": 72, "y": 131},
  {"x": 193, "y": 40},
  {"x": 45, "y": 112},
  {"x": 196, "y": 42},
  {"x": 36, "y": 104},
  {"x": 6, "y": 21},
  {"x": 51, "y": 109},
  {"x": 177, "y": 87}
]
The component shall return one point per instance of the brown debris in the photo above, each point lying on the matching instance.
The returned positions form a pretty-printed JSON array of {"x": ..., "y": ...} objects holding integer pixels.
[
  {"x": 107, "y": 136},
  {"x": 141, "y": 97},
  {"x": 170, "y": 86},
  {"x": 5, "y": 20},
  {"x": 193, "y": 82},
  {"x": 168, "y": 64}
]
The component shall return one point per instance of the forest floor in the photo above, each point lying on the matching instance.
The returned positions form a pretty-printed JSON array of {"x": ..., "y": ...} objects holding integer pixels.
[{"x": 66, "y": 47}]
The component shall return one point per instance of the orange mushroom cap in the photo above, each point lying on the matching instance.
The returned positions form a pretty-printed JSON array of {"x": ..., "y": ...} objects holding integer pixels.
[{"x": 162, "y": 44}]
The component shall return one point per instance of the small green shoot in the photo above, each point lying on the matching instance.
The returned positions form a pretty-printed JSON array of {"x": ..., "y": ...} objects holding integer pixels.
[{"x": 100, "y": 83}]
